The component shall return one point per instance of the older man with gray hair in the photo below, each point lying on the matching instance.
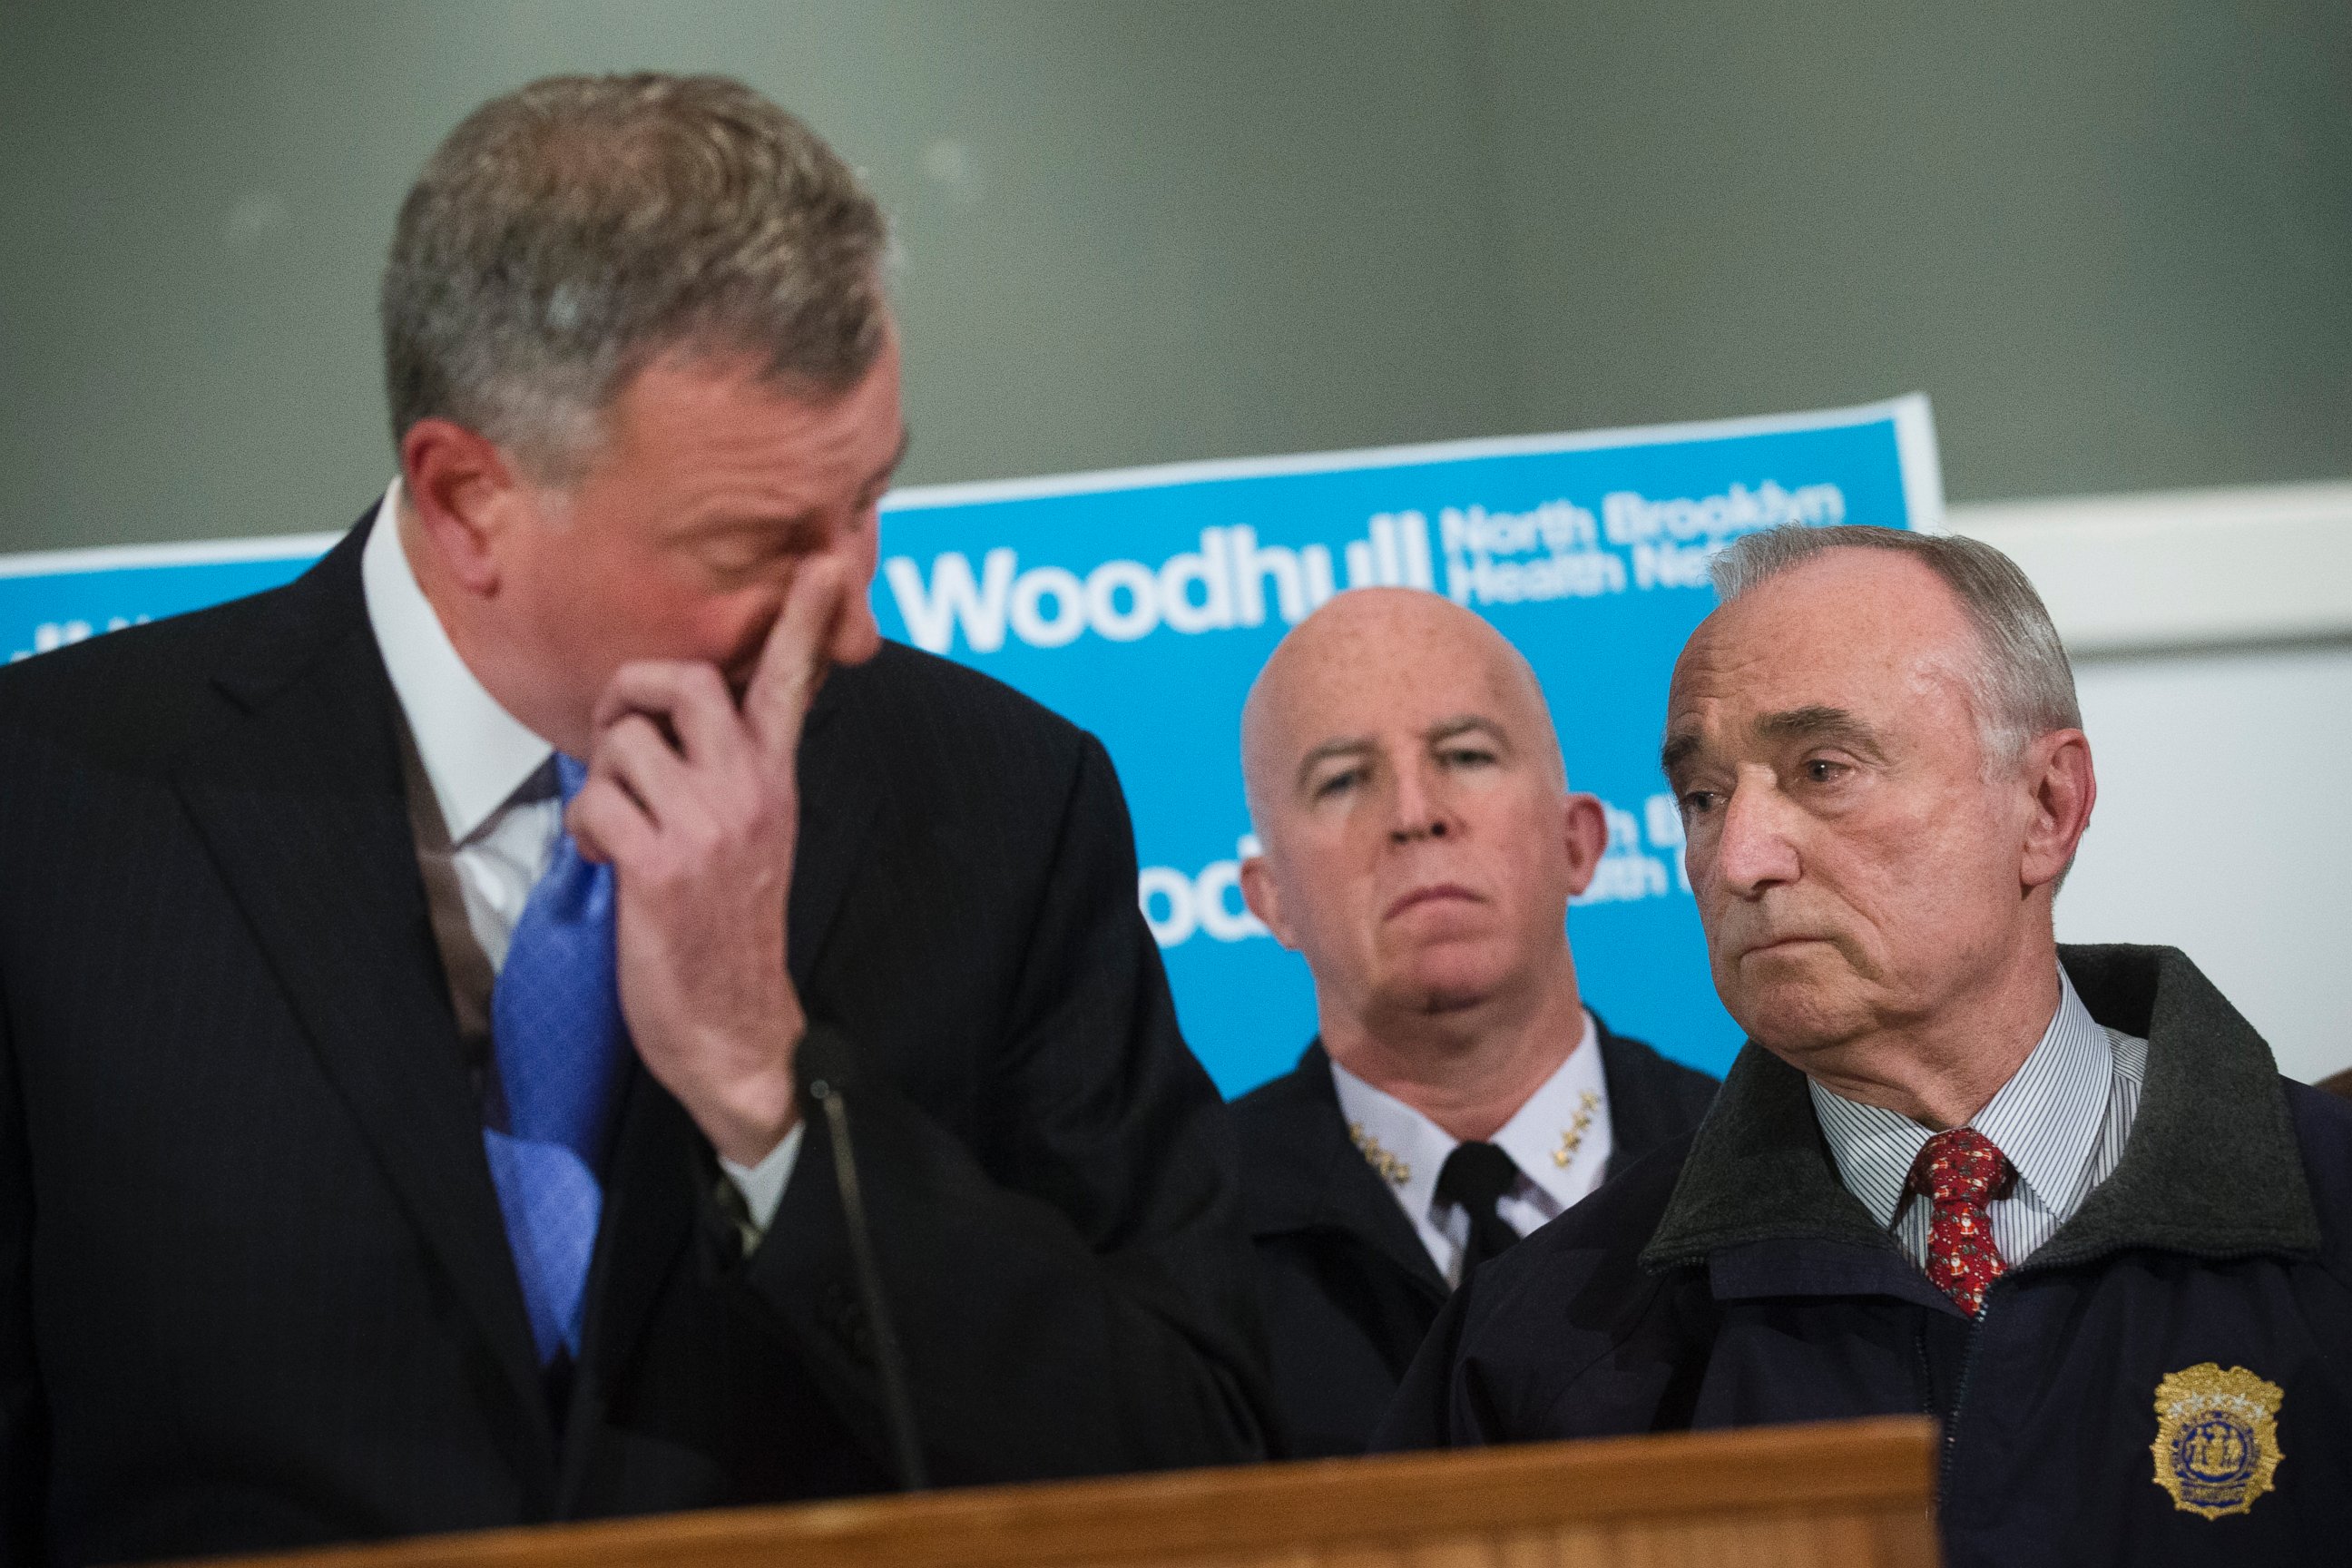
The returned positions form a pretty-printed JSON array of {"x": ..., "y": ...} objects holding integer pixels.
[
  {"x": 548, "y": 1014},
  {"x": 2058, "y": 1197}
]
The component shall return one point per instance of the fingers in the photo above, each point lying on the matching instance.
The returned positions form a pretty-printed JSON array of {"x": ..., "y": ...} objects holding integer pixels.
[
  {"x": 608, "y": 825},
  {"x": 691, "y": 696},
  {"x": 634, "y": 755},
  {"x": 793, "y": 660}
]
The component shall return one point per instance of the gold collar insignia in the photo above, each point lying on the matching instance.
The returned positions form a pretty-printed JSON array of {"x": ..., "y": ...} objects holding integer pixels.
[
  {"x": 1571, "y": 1137},
  {"x": 2216, "y": 1438},
  {"x": 1390, "y": 1169}
]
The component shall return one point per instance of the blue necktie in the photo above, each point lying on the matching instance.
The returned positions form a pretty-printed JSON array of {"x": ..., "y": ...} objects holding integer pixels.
[{"x": 561, "y": 1043}]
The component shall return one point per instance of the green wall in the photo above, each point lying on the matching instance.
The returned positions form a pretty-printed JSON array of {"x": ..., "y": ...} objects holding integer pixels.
[{"x": 2113, "y": 241}]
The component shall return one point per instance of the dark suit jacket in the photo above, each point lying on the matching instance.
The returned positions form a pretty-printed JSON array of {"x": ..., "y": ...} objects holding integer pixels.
[
  {"x": 253, "y": 1288},
  {"x": 1348, "y": 1291}
]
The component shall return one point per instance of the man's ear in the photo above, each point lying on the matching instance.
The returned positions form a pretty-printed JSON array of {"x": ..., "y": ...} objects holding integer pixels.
[
  {"x": 2062, "y": 787},
  {"x": 465, "y": 495},
  {"x": 1258, "y": 893},
  {"x": 1586, "y": 828}
]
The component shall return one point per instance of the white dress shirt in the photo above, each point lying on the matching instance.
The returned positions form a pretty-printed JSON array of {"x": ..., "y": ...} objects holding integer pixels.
[
  {"x": 2061, "y": 1119},
  {"x": 495, "y": 782},
  {"x": 1560, "y": 1139}
]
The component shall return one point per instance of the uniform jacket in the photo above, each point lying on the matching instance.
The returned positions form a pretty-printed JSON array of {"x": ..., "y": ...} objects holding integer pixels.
[
  {"x": 1348, "y": 1288},
  {"x": 254, "y": 1288},
  {"x": 1730, "y": 1280}
]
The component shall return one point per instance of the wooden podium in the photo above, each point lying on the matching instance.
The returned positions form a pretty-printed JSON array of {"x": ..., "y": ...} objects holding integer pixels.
[{"x": 1849, "y": 1494}]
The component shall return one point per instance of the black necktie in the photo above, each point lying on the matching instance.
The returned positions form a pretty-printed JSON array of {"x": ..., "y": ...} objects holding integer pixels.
[{"x": 1476, "y": 1175}]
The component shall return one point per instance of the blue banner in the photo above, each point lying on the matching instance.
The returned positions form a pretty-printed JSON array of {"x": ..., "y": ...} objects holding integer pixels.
[{"x": 1142, "y": 604}]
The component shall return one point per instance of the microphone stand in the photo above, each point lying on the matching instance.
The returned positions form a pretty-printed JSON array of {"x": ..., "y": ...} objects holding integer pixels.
[{"x": 898, "y": 1406}]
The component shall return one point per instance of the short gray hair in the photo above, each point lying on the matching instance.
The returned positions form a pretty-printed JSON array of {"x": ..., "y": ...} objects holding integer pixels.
[
  {"x": 2022, "y": 685},
  {"x": 571, "y": 232}
]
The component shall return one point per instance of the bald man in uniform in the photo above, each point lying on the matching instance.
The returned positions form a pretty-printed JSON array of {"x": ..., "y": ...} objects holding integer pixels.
[{"x": 1420, "y": 845}]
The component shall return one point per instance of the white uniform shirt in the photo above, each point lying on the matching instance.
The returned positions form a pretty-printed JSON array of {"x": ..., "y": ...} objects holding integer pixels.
[
  {"x": 1560, "y": 1139},
  {"x": 495, "y": 782}
]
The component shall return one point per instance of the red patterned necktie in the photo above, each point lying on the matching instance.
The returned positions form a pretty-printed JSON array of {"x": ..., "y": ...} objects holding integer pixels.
[{"x": 1959, "y": 1171}]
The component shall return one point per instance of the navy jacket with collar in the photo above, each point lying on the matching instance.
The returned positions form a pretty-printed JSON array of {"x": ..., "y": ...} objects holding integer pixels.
[
  {"x": 1730, "y": 1280},
  {"x": 1349, "y": 1289}
]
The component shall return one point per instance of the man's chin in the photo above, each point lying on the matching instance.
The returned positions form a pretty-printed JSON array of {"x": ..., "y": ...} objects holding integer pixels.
[
  {"x": 1794, "y": 1021},
  {"x": 1795, "y": 997},
  {"x": 1450, "y": 981}
]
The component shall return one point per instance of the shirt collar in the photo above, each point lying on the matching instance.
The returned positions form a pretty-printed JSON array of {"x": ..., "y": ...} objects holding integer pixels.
[
  {"x": 2046, "y": 1119},
  {"x": 476, "y": 754},
  {"x": 1548, "y": 1123},
  {"x": 1407, "y": 1149}
]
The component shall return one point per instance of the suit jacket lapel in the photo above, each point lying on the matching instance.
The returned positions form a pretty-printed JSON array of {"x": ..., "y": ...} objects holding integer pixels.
[
  {"x": 300, "y": 802},
  {"x": 1316, "y": 1179}
]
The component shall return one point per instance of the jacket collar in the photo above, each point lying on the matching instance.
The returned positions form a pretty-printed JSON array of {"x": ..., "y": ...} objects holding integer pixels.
[
  {"x": 1306, "y": 1176},
  {"x": 2213, "y": 1168},
  {"x": 1759, "y": 1171}
]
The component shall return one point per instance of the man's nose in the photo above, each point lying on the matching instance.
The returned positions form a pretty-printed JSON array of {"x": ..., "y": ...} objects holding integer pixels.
[
  {"x": 1753, "y": 849},
  {"x": 1419, "y": 809},
  {"x": 855, "y": 636}
]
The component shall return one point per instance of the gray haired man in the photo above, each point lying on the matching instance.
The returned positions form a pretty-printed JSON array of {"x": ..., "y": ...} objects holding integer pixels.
[
  {"x": 548, "y": 1014},
  {"x": 2058, "y": 1197}
]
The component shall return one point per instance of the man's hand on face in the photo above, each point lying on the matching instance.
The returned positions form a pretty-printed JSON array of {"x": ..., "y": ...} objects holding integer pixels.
[{"x": 694, "y": 801}]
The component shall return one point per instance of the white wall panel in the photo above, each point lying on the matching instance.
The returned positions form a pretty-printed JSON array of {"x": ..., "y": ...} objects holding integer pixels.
[
  {"x": 2212, "y": 633},
  {"x": 2221, "y": 829}
]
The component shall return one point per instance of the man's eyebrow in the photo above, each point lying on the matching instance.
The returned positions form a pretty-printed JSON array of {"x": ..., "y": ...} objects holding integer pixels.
[
  {"x": 1462, "y": 723},
  {"x": 1817, "y": 723},
  {"x": 1677, "y": 750},
  {"x": 796, "y": 527},
  {"x": 1345, "y": 746}
]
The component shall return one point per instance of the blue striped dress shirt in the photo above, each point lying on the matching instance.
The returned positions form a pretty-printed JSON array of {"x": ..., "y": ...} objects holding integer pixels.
[{"x": 2061, "y": 1119}]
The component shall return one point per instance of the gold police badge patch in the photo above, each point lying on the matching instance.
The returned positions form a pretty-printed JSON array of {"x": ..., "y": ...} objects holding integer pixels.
[{"x": 2216, "y": 1438}]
